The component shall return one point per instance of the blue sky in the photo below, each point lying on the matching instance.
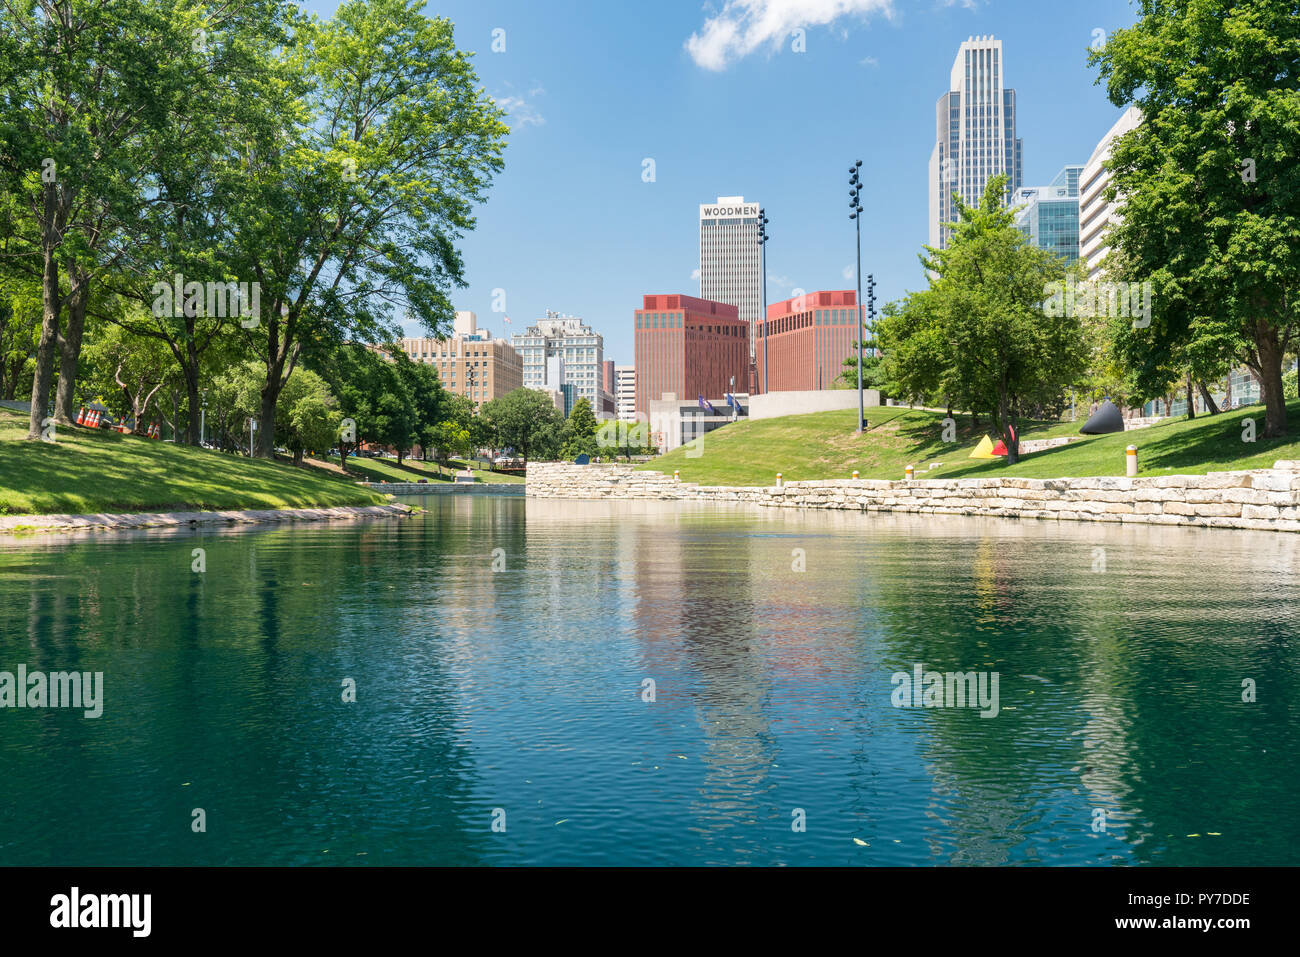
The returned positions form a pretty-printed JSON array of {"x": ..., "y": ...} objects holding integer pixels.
[{"x": 717, "y": 97}]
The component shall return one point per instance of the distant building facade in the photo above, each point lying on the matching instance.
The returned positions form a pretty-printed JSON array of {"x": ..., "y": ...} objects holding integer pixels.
[
  {"x": 686, "y": 347},
  {"x": 730, "y": 262},
  {"x": 625, "y": 391},
  {"x": 1050, "y": 214},
  {"x": 579, "y": 349},
  {"x": 975, "y": 134},
  {"x": 807, "y": 340},
  {"x": 471, "y": 362},
  {"x": 1095, "y": 213}
]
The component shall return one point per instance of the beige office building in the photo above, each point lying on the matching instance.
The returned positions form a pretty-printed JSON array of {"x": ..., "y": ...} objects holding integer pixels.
[
  {"x": 1096, "y": 214},
  {"x": 471, "y": 362}
]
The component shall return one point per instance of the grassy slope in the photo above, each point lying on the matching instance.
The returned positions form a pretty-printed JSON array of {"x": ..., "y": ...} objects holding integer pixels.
[
  {"x": 412, "y": 470},
  {"x": 822, "y": 445},
  {"x": 92, "y": 471}
]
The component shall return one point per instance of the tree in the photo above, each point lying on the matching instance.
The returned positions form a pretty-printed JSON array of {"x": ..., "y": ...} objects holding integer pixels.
[
  {"x": 129, "y": 371},
  {"x": 579, "y": 430},
  {"x": 984, "y": 321},
  {"x": 357, "y": 210},
  {"x": 873, "y": 372},
  {"x": 306, "y": 416},
  {"x": 84, "y": 87},
  {"x": 20, "y": 317},
  {"x": 1211, "y": 202},
  {"x": 527, "y": 421}
]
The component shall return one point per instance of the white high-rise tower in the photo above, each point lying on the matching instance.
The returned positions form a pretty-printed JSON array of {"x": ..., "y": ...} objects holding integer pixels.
[
  {"x": 975, "y": 127},
  {"x": 730, "y": 259}
]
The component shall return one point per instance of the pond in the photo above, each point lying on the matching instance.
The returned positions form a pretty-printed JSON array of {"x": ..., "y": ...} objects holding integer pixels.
[{"x": 644, "y": 683}]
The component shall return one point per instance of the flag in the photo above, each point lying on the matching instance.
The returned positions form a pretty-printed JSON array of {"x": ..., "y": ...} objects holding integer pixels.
[
  {"x": 706, "y": 404},
  {"x": 505, "y": 319}
]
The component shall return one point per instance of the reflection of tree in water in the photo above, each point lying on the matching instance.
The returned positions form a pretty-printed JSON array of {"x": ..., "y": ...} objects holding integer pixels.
[
  {"x": 1005, "y": 605},
  {"x": 223, "y": 691}
]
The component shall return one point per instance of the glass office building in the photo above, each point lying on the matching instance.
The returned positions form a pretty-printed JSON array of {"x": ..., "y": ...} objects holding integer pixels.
[{"x": 1050, "y": 214}]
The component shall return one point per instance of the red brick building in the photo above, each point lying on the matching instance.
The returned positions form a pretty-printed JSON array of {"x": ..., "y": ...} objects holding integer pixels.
[
  {"x": 808, "y": 339},
  {"x": 689, "y": 347}
]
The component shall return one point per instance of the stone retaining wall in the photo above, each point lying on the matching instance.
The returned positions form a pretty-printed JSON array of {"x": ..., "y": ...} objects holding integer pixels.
[
  {"x": 1260, "y": 499},
  {"x": 446, "y": 488}
]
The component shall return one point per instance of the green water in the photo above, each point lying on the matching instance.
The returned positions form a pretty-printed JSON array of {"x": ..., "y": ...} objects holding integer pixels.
[{"x": 517, "y": 695}]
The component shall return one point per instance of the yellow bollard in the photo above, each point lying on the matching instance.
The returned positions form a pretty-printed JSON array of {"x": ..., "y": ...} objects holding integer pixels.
[
  {"x": 855, "y": 474},
  {"x": 911, "y": 473},
  {"x": 677, "y": 475},
  {"x": 1132, "y": 456}
]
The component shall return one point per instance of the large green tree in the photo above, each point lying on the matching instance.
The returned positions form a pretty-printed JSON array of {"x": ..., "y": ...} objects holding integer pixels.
[
  {"x": 527, "y": 421},
  {"x": 1208, "y": 185},
  {"x": 355, "y": 213},
  {"x": 984, "y": 320}
]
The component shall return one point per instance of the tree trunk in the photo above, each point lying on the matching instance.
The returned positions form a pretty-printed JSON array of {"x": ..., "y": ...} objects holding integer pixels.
[
  {"x": 1269, "y": 351},
  {"x": 70, "y": 346},
  {"x": 1207, "y": 398},
  {"x": 49, "y": 337},
  {"x": 265, "y": 437},
  {"x": 1191, "y": 398}
]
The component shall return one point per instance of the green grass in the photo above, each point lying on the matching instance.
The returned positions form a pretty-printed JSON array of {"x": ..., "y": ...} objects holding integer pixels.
[
  {"x": 88, "y": 471},
  {"x": 412, "y": 470},
  {"x": 823, "y": 445}
]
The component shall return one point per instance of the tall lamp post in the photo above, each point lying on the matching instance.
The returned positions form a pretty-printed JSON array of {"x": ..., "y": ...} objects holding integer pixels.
[
  {"x": 855, "y": 214},
  {"x": 762, "y": 265}
]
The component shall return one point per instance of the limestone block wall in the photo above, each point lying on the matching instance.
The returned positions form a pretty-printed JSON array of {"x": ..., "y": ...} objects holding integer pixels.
[{"x": 1259, "y": 499}]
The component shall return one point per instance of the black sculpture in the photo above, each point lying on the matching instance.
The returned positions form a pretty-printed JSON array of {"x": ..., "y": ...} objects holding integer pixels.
[{"x": 1106, "y": 419}]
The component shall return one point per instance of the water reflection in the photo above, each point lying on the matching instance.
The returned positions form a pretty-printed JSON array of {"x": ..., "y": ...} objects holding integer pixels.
[{"x": 500, "y": 647}]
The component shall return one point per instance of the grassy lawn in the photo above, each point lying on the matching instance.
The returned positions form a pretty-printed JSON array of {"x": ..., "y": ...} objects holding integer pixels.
[
  {"x": 822, "y": 445},
  {"x": 412, "y": 470},
  {"x": 89, "y": 471}
]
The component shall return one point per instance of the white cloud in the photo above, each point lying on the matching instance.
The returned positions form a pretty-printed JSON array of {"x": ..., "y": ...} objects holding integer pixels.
[
  {"x": 521, "y": 111},
  {"x": 744, "y": 26},
  {"x": 869, "y": 61},
  {"x": 847, "y": 272},
  {"x": 695, "y": 274}
]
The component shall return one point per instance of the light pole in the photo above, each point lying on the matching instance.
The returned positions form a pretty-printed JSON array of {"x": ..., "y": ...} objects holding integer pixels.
[
  {"x": 762, "y": 265},
  {"x": 871, "y": 309},
  {"x": 203, "y": 419},
  {"x": 855, "y": 214}
]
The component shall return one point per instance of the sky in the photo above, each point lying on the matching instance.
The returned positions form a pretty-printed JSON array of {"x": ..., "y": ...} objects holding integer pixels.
[{"x": 718, "y": 96}]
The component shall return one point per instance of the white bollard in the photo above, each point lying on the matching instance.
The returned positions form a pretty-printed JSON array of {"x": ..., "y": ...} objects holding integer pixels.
[
  {"x": 677, "y": 475},
  {"x": 1132, "y": 456},
  {"x": 855, "y": 475},
  {"x": 911, "y": 473},
  {"x": 778, "y": 480}
]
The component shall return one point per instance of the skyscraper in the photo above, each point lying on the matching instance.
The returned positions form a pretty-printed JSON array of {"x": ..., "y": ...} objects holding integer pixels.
[
  {"x": 975, "y": 134},
  {"x": 729, "y": 260}
]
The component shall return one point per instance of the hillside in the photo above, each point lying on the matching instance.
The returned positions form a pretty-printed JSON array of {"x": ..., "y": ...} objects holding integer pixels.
[
  {"x": 822, "y": 445},
  {"x": 88, "y": 471}
]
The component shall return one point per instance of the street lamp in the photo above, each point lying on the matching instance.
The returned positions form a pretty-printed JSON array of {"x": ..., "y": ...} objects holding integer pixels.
[
  {"x": 871, "y": 308},
  {"x": 762, "y": 265},
  {"x": 855, "y": 214}
]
